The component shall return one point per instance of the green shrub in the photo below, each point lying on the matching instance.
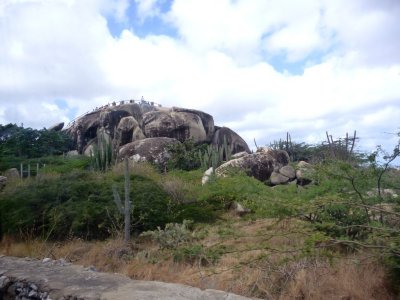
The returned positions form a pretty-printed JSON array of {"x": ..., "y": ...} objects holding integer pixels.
[
  {"x": 75, "y": 203},
  {"x": 62, "y": 164},
  {"x": 172, "y": 235},
  {"x": 184, "y": 156}
]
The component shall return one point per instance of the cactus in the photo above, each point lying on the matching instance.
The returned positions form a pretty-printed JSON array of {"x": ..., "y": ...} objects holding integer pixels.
[
  {"x": 102, "y": 155},
  {"x": 214, "y": 156},
  {"x": 126, "y": 209},
  {"x": 227, "y": 150}
]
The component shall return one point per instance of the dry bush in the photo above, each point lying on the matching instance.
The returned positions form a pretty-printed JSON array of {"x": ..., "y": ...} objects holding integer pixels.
[
  {"x": 248, "y": 268},
  {"x": 344, "y": 280},
  {"x": 29, "y": 248},
  {"x": 176, "y": 188}
]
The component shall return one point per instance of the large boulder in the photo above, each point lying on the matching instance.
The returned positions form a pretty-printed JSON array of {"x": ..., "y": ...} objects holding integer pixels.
[
  {"x": 232, "y": 138},
  {"x": 150, "y": 149},
  {"x": 57, "y": 127},
  {"x": 277, "y": 178},
  {"x": 128, "y": 130},
  {"x": 84, "y": 129},
  {"x": 110, "y": 119},
  {"x": 129, "y": 121},
  {"x": 288, "y": 171},
  {"x": 179, "y": 125},
  {"x": 12, "y": 173},
  {"x": 260, "y": 165},
  {"x": 206, "y": 119}
]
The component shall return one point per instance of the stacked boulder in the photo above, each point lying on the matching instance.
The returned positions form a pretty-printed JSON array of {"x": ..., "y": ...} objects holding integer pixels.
[
  {"x": 267, "y": 165},
  {"x": 144, "y": 131}
]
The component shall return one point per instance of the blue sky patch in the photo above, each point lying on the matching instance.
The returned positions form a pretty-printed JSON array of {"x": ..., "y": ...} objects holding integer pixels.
[
  {"x": 61, "y": 103},
  {"x": 142, "y": 25}
]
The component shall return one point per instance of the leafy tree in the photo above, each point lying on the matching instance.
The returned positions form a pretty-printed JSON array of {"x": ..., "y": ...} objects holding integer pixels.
[{"x": 18, "y": 143}]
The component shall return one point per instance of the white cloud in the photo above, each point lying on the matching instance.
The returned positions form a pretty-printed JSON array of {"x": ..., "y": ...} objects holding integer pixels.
[
  {"x": 219, "y": 63},
  {"x": 147, "y": 9}
]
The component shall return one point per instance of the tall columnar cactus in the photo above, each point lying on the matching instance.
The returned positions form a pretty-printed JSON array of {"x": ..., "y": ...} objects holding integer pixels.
[
  {"x": 102, "y": 154},
  {"x": 227, "y": 150},
  {"x": 125, "y": 210},
  {"x": 214, "y": 156}
]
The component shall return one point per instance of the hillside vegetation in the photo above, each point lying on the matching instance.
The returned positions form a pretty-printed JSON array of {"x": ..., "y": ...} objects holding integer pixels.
[{"x": 336, "y": 238}]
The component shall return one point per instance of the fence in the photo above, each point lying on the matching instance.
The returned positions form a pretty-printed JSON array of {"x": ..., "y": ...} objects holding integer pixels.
[
  {"x": 28, "y": 172},
  {"x": 112, "y": 104}
]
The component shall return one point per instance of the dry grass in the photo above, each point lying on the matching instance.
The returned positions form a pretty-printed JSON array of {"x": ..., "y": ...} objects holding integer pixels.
[
  {"x": 260, "y": 260},
  {"x": 344, "y": 280}
]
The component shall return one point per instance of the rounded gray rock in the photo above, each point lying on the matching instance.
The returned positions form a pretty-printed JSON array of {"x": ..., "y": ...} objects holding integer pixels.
[
  {"x": 288, "y": 171},
  {"x": 277, "y": 178}
]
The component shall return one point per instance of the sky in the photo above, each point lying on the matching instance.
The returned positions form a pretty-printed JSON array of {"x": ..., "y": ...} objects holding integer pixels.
[{"x": 260, "y": 67}]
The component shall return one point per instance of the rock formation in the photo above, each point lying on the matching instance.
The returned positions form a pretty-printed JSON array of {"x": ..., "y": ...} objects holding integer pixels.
[
  {"x": 149, "y": 149},
  {"x": 57, "y": 127},
  {"x": 260, "y": 165},
  {"x": 24, "y": 278},
  {"x": 133, "y": 127},
  {"x": 267, "y": 165},
  {"x": 304, "y": 173},
  {"x": 3, "y": 182}
]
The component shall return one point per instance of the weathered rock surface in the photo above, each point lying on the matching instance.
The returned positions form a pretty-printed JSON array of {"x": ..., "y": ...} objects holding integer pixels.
[
  {"x": 206, "y": 119},
  {"x": 238, "y": 209},
  {"x": 232, "y": 138},
  {"x": 72, "y": 153},
  {"x": 304, "y": 173},
  {"x": 57, "y": 127},
  {"x": 207, "y": 175},
  {"x": 260, "y": 165},
  {"x": 150, "y": 149},
  {"x": 3, "y": 182},
  {"x": 129, "y": 122},
  {"x": 288, "y": 171},
  {"x": 179, "y": 125},
  {"x": 12, "y": 173},
  {"x": 59, "y": 281},
  {"x": 239, "y": 155},
  {"x": 277, "y": 178},
  {"x": 128, "y": 130}
]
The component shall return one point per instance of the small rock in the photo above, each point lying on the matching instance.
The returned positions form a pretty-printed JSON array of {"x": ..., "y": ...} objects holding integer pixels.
[
  {"x": 303, "y": 164},
  {"x": 4, "y": 281},
  {"x": 277, "y": 178},
  {"x": 33, "y": 294},
  {"x": 239, "y": 209},
  {"x": 91, "y": 269},
  {"x": 62, "y": 262},
  {"x": 206, "y": 176},
  {"x": 72, "y": 153},
  {"x": 46, "y": 260},
  {"x": 11, "y": 291},
  {"x": 33, "y": 286}
]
